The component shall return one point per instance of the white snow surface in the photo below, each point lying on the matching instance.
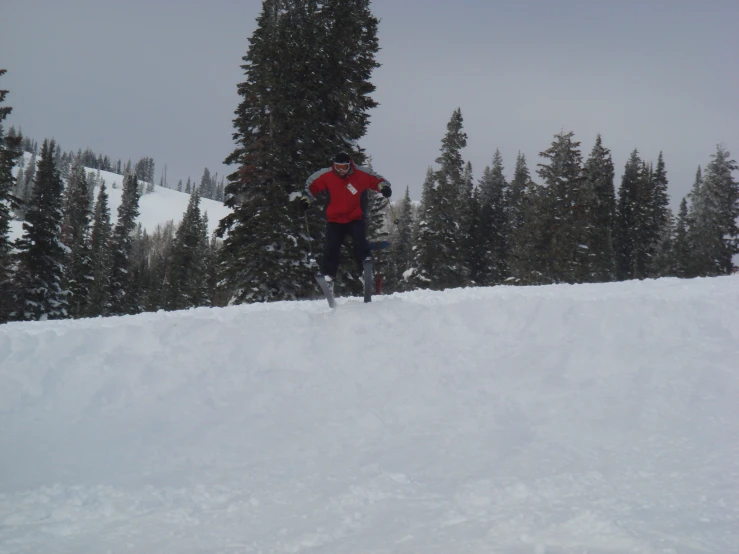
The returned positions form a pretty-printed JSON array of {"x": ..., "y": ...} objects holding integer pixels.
[{"x": 596, "y": 419}]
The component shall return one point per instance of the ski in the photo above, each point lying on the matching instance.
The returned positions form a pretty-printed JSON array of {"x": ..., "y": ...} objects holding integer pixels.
[
  {"x": 327, "y": 292},
  {"x": 369, "y": 279}
]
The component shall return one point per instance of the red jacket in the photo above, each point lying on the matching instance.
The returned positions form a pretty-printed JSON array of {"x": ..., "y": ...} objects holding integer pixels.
[{"x": 345, "y": 193}]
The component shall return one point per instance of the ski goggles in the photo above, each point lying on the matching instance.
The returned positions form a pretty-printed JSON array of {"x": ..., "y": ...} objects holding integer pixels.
[{"x": 341, "y": 167}]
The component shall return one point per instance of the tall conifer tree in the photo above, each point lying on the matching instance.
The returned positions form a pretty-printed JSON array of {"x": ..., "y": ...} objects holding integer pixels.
[
  {"x": 122, "y": 301},
  {"x": 440, "y": 239},
  {"x": 681, "y": 246},
  {"x": 493, "y": 229},
  {"x": 75, "y": 234},
  {"x": 714, "y": 235},
  {"x": 401, "y": 249},
  {"x": 41, "y": 254},
  {"x": 420, "y": 275},
  {"x": 10, "y": 153},
  {"x": 99, "y": 294},
  {"x": 305, "y": 97},
  {"x": 187, "y": 271},
  {"x": 626, "y": 238},
  {"x": 567, "y": 198},
  {"x": 599, "y": 173}
]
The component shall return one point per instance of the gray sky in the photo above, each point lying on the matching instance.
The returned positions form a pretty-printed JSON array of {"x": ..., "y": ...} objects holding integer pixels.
[{"x": 140, "y": 78}]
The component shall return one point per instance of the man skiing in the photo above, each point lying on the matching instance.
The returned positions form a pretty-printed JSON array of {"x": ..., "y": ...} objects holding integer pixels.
[{"x": 346, "y": 185}]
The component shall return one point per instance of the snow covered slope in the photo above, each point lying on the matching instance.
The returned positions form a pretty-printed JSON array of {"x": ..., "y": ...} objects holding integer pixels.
[
  {"x": 565, "y": 419},
  {"x": 155, "y": 208}
]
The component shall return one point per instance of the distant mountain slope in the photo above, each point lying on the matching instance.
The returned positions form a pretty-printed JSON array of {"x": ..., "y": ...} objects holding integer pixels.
[{"x": 156, "y": 208}]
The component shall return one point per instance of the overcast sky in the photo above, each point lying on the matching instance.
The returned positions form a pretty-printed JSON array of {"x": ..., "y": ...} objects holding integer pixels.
[{"x": 138, "y": 78}]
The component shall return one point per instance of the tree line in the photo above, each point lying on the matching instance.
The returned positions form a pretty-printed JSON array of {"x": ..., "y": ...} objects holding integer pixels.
[
  {"x": 306, "y": 95},
  {"x": 570, "y": 227}
]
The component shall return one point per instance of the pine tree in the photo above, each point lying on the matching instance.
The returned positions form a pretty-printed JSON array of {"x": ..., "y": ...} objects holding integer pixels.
[
  {"x": 187, "y": 271},
  {"x": 75, "y": 234},
  {"x": 696, "y": 219},
  {"x": 10, "y": 152},
  {"x": 715, "y": 235},
  {"x": 440, "y": 256},
  {"x": 530, "y": 241},
  {"x": 160, "y": 256},
  {"x": 681, "y": 246},
  {"x": 121, "y": 302},
  {"x": 626, "y": 231},
  {"x": 663, "y": 262},
  {"x": 419, "y": 276},
  {"x": 205, "y": 185},
  {"x": 40, "y": 251},
  {"x": 400, "y": 256},
  {"x": 493, "y": 230},
  {"x": 138, "y": 270},
  {"x": 516, "y": 189},
  {"x": 599, "y": 173},
  {"x": 305, "y": 97},
  {"x": 468, "y": 221},
  {"x": 660, "y": 223},
  {"x": 568, "y": 200},
  {"x": 204, "y": 282},
  {"x": 30, "y": 179},
  {"x": 99, "y": 295}
]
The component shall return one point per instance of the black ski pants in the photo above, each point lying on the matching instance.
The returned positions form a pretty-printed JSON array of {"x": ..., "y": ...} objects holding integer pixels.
[{"x": 335, "y": 234}]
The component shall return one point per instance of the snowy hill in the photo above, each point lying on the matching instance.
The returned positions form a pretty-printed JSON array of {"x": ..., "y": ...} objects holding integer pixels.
[
  {"x": 156, "y": 208},
  {"x": 595, "y": 419}
]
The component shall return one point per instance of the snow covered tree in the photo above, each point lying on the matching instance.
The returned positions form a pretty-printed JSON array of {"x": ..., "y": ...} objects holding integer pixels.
[
  {"x": 440, "y": 256},
  {"x": 468, "y": 214},
  {"x": 660, "y": 222},
  {"x": 159, "y": 254},
  {"x": 628, "y": 217},
  {"x": 99, "y": 294},
  {"x": 514, "y": 201},
  {"x": 121, "y": 302},
  {"x": 492, "y": 231},
  {"x": 206, "y": 185},
  {"x": 40, "y": 251},
  {"x": 10, "y": 153},
  {"x": 599, "y": 173},
  {"x": 713, "y": 235},
  {"x": 144, "y": 170},
  {"x": 568, "y": 200},
  {"x": 187, "y": 275},
  {"x": 400, "y": 256},
  {"x": 529, "y": 241},
  {"x": 641, "y": 216},
  {"x": 75, "y": 234},
  {"x": 419, "y": 276},
  {"x": 663, "y": 263},
  {"x": 305, "y": 97},
  {"x": 681, "y": 246}
]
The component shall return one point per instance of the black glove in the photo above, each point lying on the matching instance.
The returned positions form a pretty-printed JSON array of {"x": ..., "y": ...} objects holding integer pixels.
[
  {"x": 304, "y": 203},
  {"x": 386, "y": 191}
]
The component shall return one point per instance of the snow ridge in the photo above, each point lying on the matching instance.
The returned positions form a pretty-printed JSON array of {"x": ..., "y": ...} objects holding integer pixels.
[{"x": 561, "y": 419}]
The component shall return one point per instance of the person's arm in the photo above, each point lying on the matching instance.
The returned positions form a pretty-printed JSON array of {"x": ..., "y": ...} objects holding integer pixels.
[
  {"x": 377, "y": 182},
  {"x": 315, "y": 184}
]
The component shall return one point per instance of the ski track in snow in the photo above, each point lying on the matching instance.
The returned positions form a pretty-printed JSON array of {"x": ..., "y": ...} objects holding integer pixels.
[{"x": 598, "y": 419}]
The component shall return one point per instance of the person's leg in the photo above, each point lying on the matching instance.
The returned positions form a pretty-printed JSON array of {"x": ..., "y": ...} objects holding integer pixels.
[
  {"x": 335, "y": 233},
  {"x": 358, "y": 231}
]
